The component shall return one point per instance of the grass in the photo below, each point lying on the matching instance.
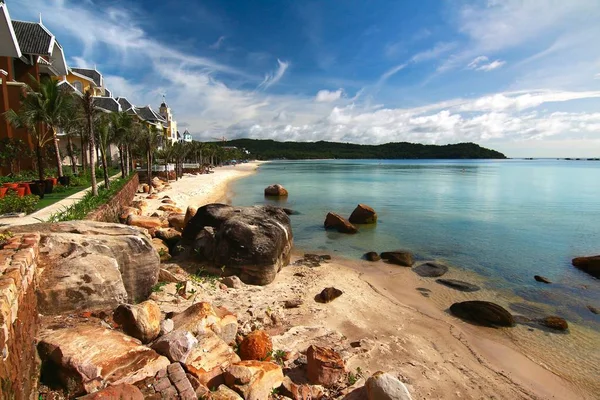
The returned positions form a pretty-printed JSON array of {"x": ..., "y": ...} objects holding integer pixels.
[{"x": 55, "y": 197}]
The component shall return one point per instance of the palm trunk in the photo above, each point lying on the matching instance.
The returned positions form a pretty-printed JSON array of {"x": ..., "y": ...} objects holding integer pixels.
[
  {"x": 104, "y": 168},
  {"x": 149, "y": 167},
  {"x": 121, "y": 159},
  {"x": 57, "y": 151},
  {"x": 83, "y": 156},
  {"x": 92, "y": 151},
  {"x": 130, "y": 167},
  {"x": 40, "y": 163},
  {"x": 71, "y": 154}
]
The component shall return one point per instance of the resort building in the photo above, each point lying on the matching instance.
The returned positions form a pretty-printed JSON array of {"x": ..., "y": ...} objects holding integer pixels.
[
  {"x": 171, "y": 125},
  {"x": 187, "y": 137}
]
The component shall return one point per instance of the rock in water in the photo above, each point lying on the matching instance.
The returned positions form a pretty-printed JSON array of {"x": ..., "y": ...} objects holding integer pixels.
[
  {"x": 253, "y": 243},
  {"x": 324, "y": 366},
  {"x": 554, "y": 322},
  {"x": 483, "y": 313},
  {"x": 372, "y": 256},
  {"x": 329, "y": 294},
  {"x": 541, "y": 279},
  {"x": 591, "y": 265},
  {"x": 142, "y": 321},
  {"x": 383, "y": 386},
  {"x": 93, "y": 249},
  {"x": 431, "y": 270},
  {"x": 342, "y": 225},
  {"x": 257, "y": 345},
  {"x": 593, "y": 309},
  {"x": 398, "y": 257},
  {"x": 276, "y": 191},
  {"x": 363, "y": 214},
  {"x": 254, "y": 380},
  {"x": 458, "y": 285}
]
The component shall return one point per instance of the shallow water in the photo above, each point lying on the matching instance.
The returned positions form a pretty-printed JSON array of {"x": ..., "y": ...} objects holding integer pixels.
[{"x": 506, "y": 220}]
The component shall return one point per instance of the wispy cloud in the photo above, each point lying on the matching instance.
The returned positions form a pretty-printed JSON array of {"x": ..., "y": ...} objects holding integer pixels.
[
  {"x": 326, "y": 96},
  {"x": 435, "y": 52},
  {"x": 217, "y": 45},
  {"x": 482, "y": 63},
  {"x": 274, "y": 77}
]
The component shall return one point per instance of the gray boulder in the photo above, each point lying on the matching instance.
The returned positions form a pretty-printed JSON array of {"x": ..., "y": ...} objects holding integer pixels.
[
  {"x": 253, "y": 243},
  {"x": 430, "y": 270},
  {"x": 458, "y": 285},
  {"x": 483, "y": 313},
  {"x": 383, "y": 386}
]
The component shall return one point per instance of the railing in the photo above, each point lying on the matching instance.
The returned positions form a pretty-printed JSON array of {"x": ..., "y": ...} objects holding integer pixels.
[{"x": 190, "y": 165}]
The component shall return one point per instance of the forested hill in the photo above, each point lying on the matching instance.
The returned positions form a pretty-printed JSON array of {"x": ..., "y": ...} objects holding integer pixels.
[{"x": 270, "y": 149}]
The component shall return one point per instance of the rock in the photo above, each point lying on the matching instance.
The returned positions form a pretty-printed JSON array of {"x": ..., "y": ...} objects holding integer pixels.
[
  {"x": 593, "y": 309},
  {"x": 142, "y": 321},
  {"x": 398, "y": 257},
  {"x": 140, "y": 205},
  {"x": 179, "y": 379},
  {"x": 482, "y": 312},
  {"x": 176, "y": 221},
  {"x": 176, "y": 346},
  {"x": 170, "y": 236},
  {"x": 201, "y": 317},
  {"x": 300, "y": 391},
  {"x": 224, "y": 393},
  {"x": 253, "y": 243},
  {"x": 166, "y": 326},
  {"x": 254, "y": 380},
  {"x": 168, "y": 201},
  {"x": 143, "y": 188},
  {"x": 276, "y": 191},
  {"x": 189, "y": 214},
  {"x": 123, "y": 391},
  {"x": 458, "y": 285},
  {"x": 232, "y": 282},
  {"x": 78, "y": 260},
  {"x": 324, "y": 366},
  {"x": 342, "y": 225},
  {"x": 205, "y": 244},
  {"x": 329, "y": 294},
  {"x": 363, "y": 214},
  {"x": 430, "y": 270},
  {"x": 126, "y": 212},
  {"x": 554, "y": 322},
  {"x": 173, "y": 209},
  {"x": 591, "y": 265},
  {"x": 541, "y": 279},
  {"x": 256, "y": 345},
  {"x": 383, "y": 386},
  {"x": 87, "y": 357},
  {"x": 144, "y": 222},
  {"x": 293, "y": 303},
  {"x": 162, "y": 249},
  {"x": 202, "y": 392},
  {"x": 209, "y": 359},
  {"x": 152, "y": 197},
  {"x": 372, "y": 256},
  {"x": 167, "y": 276}
]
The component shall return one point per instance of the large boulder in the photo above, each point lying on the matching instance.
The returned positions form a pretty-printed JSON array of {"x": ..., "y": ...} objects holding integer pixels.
[
  {"x": 224, "y": 393},
  {"x": 276, "y": 191},
  {"x": 339, "y": 223},
  {"x": 142, "y": 321},
  {"x": 176, "y": 221},
  {"x": 253, "y": 243},
  {"x": 483, "y": 313},
  {"x": 383, "y": 386},
  {"x": 88, "y": 357},
  {"x": 398, "y": 257},
  {"x": 123, "y": 391},
  {"x": 80, "y": 243},
  {"x": 591, "y": 265},
  {"x": 145, "y": 222},
  {"x": 254, "y": 380},
  {"x": 324, "y": 366},
  {"x": 363, "y": 214},
  {"x": 189, "y": 214}
]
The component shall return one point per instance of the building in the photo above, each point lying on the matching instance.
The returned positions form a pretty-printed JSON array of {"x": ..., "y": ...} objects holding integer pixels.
[
  {"x": 187, "y": 137},
  {"x": 171, "y": 124}
]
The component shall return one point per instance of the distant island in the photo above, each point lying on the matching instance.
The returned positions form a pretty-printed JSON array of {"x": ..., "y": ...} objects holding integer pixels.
[{"x": 271, "y": 149}]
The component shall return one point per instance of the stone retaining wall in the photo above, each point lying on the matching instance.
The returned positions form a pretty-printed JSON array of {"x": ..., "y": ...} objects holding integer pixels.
[
  {"x": 109, "y": 212},
  {"x": 19, "y": 368}
]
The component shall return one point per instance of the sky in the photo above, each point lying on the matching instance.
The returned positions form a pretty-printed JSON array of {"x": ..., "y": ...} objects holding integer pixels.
[{"x": 518, "y": 76}]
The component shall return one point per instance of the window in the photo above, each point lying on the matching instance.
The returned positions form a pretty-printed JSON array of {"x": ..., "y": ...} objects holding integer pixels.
[{"x": 77, "y": 85}]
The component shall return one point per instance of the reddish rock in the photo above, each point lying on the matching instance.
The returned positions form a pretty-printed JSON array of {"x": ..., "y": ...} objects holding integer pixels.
[
  {"x": 276, "y": 191},
  {"x": 254, "y": 380},
  {"x": 209, "y": 359},
  {"x": 121, "y": 392},
  {"x": 329, "y": 294},
  {"x": 142, "y": 321},
  {"x": 162, "y": 249},
  {"x": 170, "y": 208},
  {"x": 144, "y": 222},
  {"x": 554, "y": 322},
  {"x": 297, "y": 391},
  {"x": 363, "y": 214},
  {"x": 256, "y": 345},
  {"x": 189, "y": 214},
  {"x": 591, "y": 265},
  {"x": 127, "y": 211},
  {"x": 177, "y": 221},
  {"x": 324, "y": 366},
  {"x": 342, "y": 225},
  {"x": 202, "y": 316}
]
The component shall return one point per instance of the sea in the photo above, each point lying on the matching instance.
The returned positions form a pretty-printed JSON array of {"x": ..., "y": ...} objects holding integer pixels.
[{"x": 504, "y": 220}]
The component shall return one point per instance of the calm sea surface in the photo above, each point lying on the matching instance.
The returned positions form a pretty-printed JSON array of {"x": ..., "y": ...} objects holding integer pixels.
[{"x": 506, "y": 220}]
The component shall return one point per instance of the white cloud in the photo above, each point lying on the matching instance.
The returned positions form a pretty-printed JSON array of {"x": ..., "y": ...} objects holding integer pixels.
[
  {"x": 274, "y": 77},
  {"x": 433, "y": 53},
  {"x": 217, "y": 45},
  {"x": 481, "y": 63},
  {"x": 326, "y": 96}
]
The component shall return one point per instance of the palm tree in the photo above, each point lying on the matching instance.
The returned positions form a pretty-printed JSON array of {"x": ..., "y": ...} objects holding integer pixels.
[
  {"x": 148, "y": 142},
  {"x": 180, "y": 150},
  {"x": 72, "y": 124},
  {"x": 102, "y": 129},
  {"x": 121, "y": 126},
  {"x": 166, "y": 154},
  {"x": 87, "y": 107}
]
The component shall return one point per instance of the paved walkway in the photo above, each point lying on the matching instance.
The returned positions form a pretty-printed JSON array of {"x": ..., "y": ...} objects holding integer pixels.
[{"x": 45, "y": 213}]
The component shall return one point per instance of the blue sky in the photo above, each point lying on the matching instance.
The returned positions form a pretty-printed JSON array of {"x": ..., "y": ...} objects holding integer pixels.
[{"x": 520, "y": 76}]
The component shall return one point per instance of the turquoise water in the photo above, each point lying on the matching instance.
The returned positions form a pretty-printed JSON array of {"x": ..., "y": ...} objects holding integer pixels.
[{"x": 506, "y": 220}]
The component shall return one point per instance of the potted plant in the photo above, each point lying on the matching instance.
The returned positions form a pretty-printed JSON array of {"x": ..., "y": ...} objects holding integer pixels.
[
  {"x": 10, "y": 185},
  {"x": 3, "y": 191},
  {"x": 64, "y": 180},
  {"x": 49, "y": 185},
  {"x": 38, "y": 188}
]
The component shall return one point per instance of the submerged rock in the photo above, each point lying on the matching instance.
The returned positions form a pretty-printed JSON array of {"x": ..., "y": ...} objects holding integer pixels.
[
  {"x": 398, "y": 257},
  {"x": 276, "y": 191},
  {"x": 554, "y": 322},
  {"x": 591, "y": 265},
  {"x": 541, "y": 279},
  {"x": 483, "y": 312},
  {"x": 372, "y": 256},
  {"x": 431, "y": 269},
  {"x": 342, "y": 225},
  {"x": 253, "y": 243},
  {"x": 384, "y": 386},
  {"x": 593, "y": 309},
  {"x": 363, "y": 214},
  {"x": 458, "y": 285}
]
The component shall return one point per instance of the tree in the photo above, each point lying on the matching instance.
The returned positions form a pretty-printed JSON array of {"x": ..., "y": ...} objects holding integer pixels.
[
  {"x": 148, "y": 142},
  {"x": 87, "y": 107},
  {"x": 72, "y": 124},
  {"x": 121, "y": 126},
  {"x": 102, "y": 129},
  {"x": 180, "y": 150},
  {"x": 11, "y": 152},
  {"x": 166, "y": 154}
]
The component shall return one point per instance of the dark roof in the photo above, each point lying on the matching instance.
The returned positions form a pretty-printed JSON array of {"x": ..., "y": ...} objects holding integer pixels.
[
  {"x": 107, "y": 103},
  {"x": 32, "y": 37},
  {"x": 90, "y": 73},
  {"x": 125, "y": 104},
  {"x": 178, "y": 135},
  {"x": 148, "y": 114},
  {"x": 107, "y": 93},
  {"x": 67, "y": 87}
]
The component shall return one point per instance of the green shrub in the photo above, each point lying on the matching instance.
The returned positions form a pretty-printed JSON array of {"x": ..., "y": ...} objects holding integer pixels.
[
  {"x": 79, "y": 181},
  {"x": 11, "y": 203}
]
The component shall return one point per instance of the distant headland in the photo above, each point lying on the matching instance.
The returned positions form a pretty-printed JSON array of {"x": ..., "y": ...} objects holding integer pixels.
[{"x": 271, "y": 149}]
